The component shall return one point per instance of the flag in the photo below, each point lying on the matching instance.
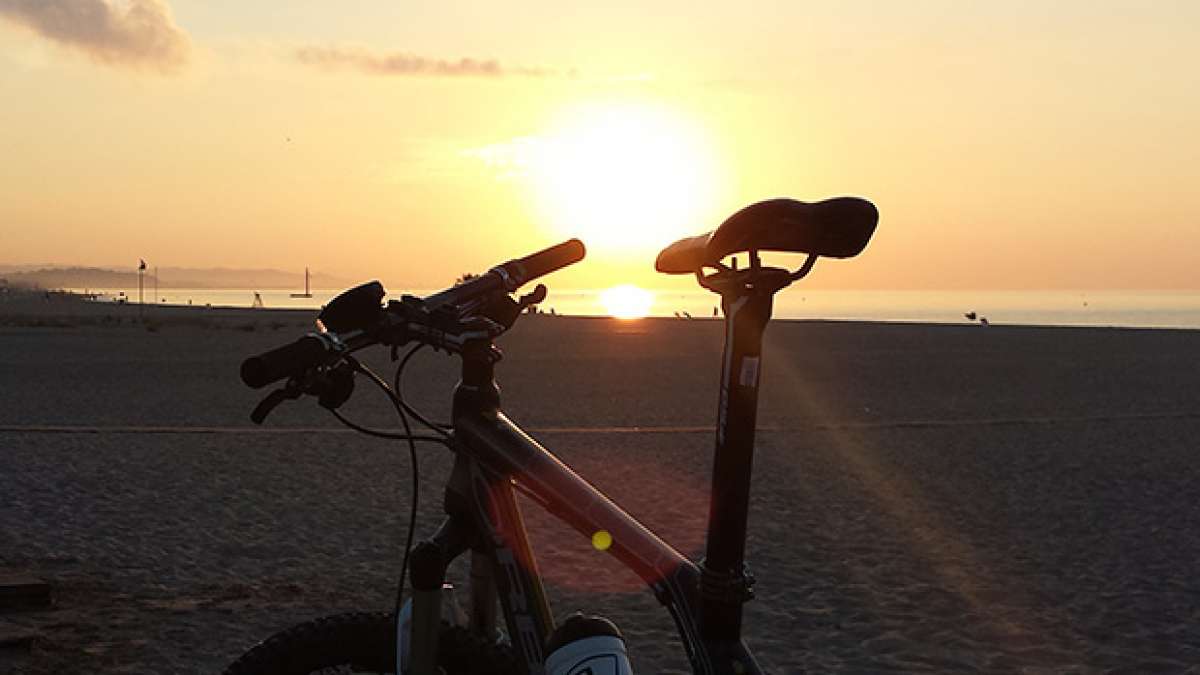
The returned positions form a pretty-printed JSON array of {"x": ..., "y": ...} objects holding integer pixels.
[{"x": 142, "y": 266}]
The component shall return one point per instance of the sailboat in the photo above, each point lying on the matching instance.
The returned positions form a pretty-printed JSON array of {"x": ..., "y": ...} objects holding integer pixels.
[{"x": 306, "y": 293}]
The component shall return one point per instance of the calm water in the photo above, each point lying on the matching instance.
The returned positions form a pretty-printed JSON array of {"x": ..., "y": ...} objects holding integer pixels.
[{"x": 1149, "y": 309}]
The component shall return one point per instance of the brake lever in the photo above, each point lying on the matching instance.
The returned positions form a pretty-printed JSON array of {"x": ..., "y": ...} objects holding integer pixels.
[
  {"x": 504, "y": 310},
  {"x": 272, "y": 401},
  {"x": 332, "y": 388},
  {"x": 534, "y": 298}
]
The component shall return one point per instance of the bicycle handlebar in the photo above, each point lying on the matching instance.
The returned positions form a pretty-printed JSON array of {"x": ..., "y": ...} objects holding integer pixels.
[
  {"x": 286, "y": 361},
  {"x": 511, "y": 275},
  {"x": 524, "y": 270},
  {"x": 310, "y": 350}
]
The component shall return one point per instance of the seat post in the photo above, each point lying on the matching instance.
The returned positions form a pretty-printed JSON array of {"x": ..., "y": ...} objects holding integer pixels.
[{"x": 725, "y": 583}]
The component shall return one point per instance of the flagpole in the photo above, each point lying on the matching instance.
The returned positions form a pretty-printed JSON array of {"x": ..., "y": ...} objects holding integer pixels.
[{"x": 141, "y": 284}]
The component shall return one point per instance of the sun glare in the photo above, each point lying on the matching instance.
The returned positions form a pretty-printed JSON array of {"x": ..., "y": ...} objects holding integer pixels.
[
  {"x": 627, "y": 301},
  {"x": 623, "y": 177}
]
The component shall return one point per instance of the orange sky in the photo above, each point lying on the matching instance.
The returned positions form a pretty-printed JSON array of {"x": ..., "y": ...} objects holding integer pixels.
[{"x": 1007, "y": 144}]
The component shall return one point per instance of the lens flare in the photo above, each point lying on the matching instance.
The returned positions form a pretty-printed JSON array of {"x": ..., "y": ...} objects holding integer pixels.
[{"x": 601, "y": 540}]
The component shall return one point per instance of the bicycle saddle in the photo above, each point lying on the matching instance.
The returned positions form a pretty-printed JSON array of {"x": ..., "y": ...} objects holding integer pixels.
[{"x": 836, "y": 228}]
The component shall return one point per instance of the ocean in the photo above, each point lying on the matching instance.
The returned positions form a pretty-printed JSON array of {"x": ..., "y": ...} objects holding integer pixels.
[{"x": 1136, "y": 309}]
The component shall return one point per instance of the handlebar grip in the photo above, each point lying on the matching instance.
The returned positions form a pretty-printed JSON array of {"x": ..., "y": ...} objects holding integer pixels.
[
  {"x": 511, "y": 275},
  {"x": 524, "y": 270},
  {"x": 259, "y": 371}
]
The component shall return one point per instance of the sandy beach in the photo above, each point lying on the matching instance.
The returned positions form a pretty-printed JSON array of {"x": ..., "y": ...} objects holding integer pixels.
[{"x": 927, "y": 498}]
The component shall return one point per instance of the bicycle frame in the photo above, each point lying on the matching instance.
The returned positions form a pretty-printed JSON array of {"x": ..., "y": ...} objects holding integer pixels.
[{"x": 493, "y": 454}]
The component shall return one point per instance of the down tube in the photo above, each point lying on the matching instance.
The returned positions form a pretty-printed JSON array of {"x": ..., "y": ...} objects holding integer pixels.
[{"x": 500, "y": 444}]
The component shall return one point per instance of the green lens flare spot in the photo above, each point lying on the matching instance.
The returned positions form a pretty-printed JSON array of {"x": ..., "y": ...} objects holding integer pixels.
[{"x": 601, "y": 540}]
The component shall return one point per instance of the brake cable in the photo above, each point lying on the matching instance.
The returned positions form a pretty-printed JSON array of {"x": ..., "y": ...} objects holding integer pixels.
[
  {"x": 397, "y": 403},
  {"x": 420, "y": 438},
  {"x": 397, "y": 384},
  {"x": 442, "y": 439}
]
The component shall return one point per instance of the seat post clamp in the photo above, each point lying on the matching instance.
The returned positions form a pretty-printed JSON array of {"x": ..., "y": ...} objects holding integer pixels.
[{"x": 727, "y": 587}]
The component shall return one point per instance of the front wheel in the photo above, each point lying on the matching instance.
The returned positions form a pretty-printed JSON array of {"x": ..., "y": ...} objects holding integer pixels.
[{"x": 365, "y": 642}]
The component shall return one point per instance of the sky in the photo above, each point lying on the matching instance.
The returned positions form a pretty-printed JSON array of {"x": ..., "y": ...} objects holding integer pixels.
[{"x": 1007, "y": 145}]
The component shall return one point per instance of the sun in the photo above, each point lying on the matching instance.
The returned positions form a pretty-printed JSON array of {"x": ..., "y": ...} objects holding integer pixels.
[
  {"x": 626, "y": 301},
  {"x": 623, "y": 177}
]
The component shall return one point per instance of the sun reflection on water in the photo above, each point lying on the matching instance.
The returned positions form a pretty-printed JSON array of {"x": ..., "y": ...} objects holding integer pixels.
[{"x": 627, "y": 301}]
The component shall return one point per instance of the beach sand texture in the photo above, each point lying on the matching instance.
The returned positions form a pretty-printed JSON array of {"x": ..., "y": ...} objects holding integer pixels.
[{"x": 926, "y": 498}]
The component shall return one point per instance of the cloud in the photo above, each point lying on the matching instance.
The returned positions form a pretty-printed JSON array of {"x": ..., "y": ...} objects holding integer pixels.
[
  {"x": 401, "y": 64},
  {"x": 136, "y": 33}
]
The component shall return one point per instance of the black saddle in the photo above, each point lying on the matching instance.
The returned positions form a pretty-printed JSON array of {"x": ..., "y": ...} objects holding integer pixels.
[{"x": 835, "y": 228}]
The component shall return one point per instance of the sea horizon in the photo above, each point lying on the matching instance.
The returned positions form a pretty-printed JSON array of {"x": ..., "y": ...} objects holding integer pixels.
[{"x": 1117, "y": 308}]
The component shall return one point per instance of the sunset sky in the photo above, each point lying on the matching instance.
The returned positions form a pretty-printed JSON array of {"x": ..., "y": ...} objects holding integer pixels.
[{"x": 1013, "y": 144}]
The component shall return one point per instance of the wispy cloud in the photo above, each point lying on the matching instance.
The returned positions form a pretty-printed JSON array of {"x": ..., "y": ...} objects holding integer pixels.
[
  {"x": 404, "y": 64},
  {"x": 137, "y": 33}
]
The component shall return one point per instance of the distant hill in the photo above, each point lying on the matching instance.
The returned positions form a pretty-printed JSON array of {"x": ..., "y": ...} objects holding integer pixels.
[
  {"x": 6, "y": 269},
  {"x": 222, "y": 277},
  {"x": 169, "y": 277},
  {"x": 74, "y": 277}
]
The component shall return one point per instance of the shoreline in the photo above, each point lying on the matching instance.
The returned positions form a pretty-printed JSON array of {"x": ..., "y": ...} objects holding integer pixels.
[{"x": 64, "y": 309}]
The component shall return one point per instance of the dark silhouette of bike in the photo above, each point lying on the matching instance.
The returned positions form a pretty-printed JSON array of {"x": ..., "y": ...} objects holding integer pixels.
[{"x": 494, "y": 459}]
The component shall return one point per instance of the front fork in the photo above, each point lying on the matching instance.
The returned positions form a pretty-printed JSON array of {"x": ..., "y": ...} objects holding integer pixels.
[
  {"x": 419, "y": 622},
  {"x": 434, "y": 601},
  {"x": 484, "y": 518}
]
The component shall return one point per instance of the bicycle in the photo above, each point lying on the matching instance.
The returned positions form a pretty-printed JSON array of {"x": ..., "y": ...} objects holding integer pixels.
[{"x": 494, "y": 459}]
